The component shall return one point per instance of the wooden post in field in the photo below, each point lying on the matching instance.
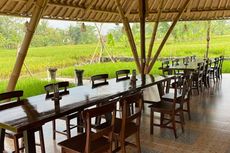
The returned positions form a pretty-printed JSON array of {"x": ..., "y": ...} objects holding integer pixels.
[
  {"x": 153, "y": 36},
  {"x": 167, "y": 35},
  {"x": 208, "y": 38},
  {"x": 129, "y": 34},
  {"x": 30, "y": 28}
]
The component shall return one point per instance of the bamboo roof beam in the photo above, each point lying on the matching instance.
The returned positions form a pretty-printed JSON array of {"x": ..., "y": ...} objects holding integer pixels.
[
  {"x": 129, "y": 34},
  {"x": 167, "y": 35},
  {"x": 154, "y": 35},
  {"x": 31, "y": 26}
]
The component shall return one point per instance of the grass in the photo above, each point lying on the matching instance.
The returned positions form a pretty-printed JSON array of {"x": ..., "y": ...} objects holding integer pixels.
[
  {"x": 41, "y": 58},
  {"x": 30, "y": 86}
]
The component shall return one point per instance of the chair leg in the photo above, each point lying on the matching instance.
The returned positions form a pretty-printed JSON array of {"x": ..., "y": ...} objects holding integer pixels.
[
  {"x": 208, "y": 83},
  {"x": 16, "y": 145},
  {"x": 80, "y": 122},
  {"x": 213, "y": 75},
  {"x": 161, "y": 119},
  {"x": 182, "y": 120},
  {"x": 200, "y": 85},
  {"x": 197, "y": 87},
  {"x": 188, "y": 109},
  {"x": 42, "y": 140},
  {"x": 68, "y": 128},
  {"x": 174, "y": 125},
  {"x": 138, "y": 143},
  {"x": 151, "y": 121},
  {"x": 54, "y": 129},
  {"x": 123, "y": 146}
]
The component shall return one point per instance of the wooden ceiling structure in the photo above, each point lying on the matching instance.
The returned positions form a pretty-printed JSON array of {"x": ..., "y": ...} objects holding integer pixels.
[
  {"x": 113, "y": 11},
  {"x": 106, "y": 10}
]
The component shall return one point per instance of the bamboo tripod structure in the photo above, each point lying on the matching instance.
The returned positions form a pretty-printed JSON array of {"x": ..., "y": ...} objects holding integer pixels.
[{"x": 103, "y": 47}]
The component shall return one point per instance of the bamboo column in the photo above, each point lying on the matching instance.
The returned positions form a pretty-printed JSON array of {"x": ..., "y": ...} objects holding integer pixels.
[
  {"x": 167, "y": 35},
  {"x": 142, "y": 13},
  {"x": 208, "y": 38},
  {"x": 129, "y": 34},
  {"x": 154, "y": 35},
  {"x": 31, "y": 26}
]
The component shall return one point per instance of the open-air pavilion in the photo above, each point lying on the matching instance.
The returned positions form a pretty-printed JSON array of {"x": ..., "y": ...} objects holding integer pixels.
[{"x": 208, "y": 130}]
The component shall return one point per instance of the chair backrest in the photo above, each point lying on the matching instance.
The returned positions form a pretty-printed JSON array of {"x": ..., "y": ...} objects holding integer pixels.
[
  {"x": 216, "y": 63},
  {"x": 221, "y": 61},
  {"x": 131, "y": 106},
  {"x": 122, "y": 75},
  {"x": 187, "y": 87},
  {"x": 11, "y": 95},
  {"x": 207, "y": 64},
  {"x": 164, "y": 67},
  {"x": 105, "y": 130},
  {"x": 186, "y": 60},
  {"x": 175, "y": 61},
  {"x": 62, "y": 86},
  {"x": 200, "y": 69},
  {"x": 99, "y": 80}
]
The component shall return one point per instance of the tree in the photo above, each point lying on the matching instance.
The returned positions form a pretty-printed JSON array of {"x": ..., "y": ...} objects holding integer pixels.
[{"x": 110, "y": 40}]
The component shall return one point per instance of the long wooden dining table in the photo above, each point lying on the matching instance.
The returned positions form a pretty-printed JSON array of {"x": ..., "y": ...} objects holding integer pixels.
[
  {"x": 28, "y": 114},
  {"x": 187, "y": 68}
]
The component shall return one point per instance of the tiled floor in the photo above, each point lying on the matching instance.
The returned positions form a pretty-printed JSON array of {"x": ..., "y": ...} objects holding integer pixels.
[{"x": 207, "y": 132}]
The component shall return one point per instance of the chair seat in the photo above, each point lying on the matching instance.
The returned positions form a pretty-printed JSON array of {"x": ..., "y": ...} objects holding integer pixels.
[
  {"x": 170, "y": 96},
  {"x": 130, "y": 129},
  {"x": 77, "y": 144},
  {"x": 164, "y": 107},
  {"x": 10, "y": 134},
  {"x": 71, "y": 116}
]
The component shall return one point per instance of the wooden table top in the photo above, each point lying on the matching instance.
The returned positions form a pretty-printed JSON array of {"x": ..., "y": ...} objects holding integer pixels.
[{"x": 37, "y": 110}]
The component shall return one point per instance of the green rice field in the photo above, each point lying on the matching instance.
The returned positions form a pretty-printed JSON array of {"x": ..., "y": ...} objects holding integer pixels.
[{"x": 68, "y": 58}]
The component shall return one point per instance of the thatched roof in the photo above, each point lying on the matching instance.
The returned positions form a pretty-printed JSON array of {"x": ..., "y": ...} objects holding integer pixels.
[{"x": 106, "y": 10}]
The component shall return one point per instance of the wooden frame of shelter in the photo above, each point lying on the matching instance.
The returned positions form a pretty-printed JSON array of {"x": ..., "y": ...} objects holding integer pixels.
[{"x": 113, "y": 11}]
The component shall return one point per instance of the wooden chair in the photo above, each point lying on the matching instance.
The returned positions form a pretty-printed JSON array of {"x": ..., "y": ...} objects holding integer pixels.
[
  {"x": 213, "y": 70},
  {"x": 99, "y": 80},
  {"x": 16, "y": 136},
  {"x": 197, "y": 77},
  {"x": 167, "y": 107},
  {"x": 220, "y": 66},
  {"x": 183, "y": 95},
  {"x": 206, "y": 73},
  {"x": 93, "y": 141},
  {"x": 174, "y": 63},
  {"x": 164, "y": 67},
  {"x": 122, "y": 75},
  {"x": 62, "y": 87},
  {"x": 129, "y": 123}
]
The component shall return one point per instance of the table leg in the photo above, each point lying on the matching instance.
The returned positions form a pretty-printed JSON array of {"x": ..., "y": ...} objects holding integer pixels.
[
  {"x": 2, "y": 136},
  {"x": 29, "y": 141}
]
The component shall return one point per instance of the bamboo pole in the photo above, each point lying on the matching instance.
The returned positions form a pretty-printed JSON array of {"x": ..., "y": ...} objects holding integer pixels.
[
  {"x": 208, "y": 38},
  {"x": 167, "y": 35},
  {"x": 142, "y": 13},
  {"x": 154, "y": 35},
  {"x": 31, "y": 26},
  {"x": 129, "y": 34}
]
